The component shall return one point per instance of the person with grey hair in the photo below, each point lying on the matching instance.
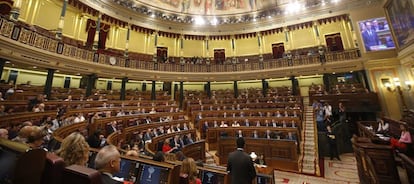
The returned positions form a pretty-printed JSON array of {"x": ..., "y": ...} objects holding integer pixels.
[
  {"x": 4, "y": 133},
  {"x": 107, "y": 162}
]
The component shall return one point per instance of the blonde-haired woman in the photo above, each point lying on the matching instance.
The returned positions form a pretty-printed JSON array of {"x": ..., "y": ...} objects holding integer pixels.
[
  {"x": 74, "y": 150},
  {"x": 188, "y": 172}
]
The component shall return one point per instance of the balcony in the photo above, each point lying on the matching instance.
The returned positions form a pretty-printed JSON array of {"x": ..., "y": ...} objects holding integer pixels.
[{"x": 24, "y": 45}]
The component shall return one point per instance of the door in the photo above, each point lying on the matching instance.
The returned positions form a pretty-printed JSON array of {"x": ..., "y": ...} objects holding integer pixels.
[
  {"x": 278, "y": 49},
  {"x": 67, "y": 82},
  {"x": 13, "y": 76},
  {"x": 162, "y": 54},
  {"x": 219, "y": 56},
  {"x": 334, "y": 42}
]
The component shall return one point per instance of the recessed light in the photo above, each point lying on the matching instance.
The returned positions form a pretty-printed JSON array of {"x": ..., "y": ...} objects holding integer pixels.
[
  {"x": 34, "y": 66},
  {"x": 7, "y": 62}
]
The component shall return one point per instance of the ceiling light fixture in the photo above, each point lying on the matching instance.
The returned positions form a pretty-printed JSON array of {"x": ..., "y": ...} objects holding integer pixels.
[
  {"x": 214, "y": 21},
  {"x": 199, "y": 21},
  {"x": 294, "y": 7}
]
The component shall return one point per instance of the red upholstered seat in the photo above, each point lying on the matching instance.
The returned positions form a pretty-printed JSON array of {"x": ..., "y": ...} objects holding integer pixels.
[
  {"x": 53, "y": 169},
  {"x": 29, "y": 167},
  {"x": 80, "y": 175}
]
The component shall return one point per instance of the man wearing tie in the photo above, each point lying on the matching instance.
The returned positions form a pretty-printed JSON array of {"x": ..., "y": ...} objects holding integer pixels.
[
  {"x": 239, "y": 134},
  {"x": 112, "y": 128},
  {"x": 268, "y": 134},
  {"x": 255, "y": 134},
  {"x": 370, "y": 37}
]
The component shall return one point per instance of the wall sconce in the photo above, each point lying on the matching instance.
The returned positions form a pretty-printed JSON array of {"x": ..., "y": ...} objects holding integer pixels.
[
  {"x": 408, "y": 84},
  {"x": 395, "y": 84}
]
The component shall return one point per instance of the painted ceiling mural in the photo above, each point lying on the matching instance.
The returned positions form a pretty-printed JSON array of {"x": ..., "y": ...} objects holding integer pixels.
[{"x": 212, "y": 7}]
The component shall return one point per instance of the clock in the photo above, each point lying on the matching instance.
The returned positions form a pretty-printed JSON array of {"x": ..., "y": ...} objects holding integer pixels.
[{"x": 112, "y": 60}]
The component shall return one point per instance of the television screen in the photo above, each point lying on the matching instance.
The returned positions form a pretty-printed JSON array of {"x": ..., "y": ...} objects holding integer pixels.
[
  {"x": 376, "y": 34},
  {"x": 150, "y": 174},
  {"x": 208, "y": 177},
  {"x": 264, "y": 179},
  {"x": 128, "y": 170},
  {"x": 91, "y": 161}
]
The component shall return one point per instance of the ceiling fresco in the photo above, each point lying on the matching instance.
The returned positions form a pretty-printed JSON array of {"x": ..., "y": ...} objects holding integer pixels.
[{"x": 211, "y": 7}]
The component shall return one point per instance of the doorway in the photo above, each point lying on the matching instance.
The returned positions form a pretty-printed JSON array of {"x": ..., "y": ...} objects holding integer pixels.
[
  {"x": 219, "y": 56},
  {"x": 334, "y": 42},
  {"x": 278, "y": 49},
  {"x": 162, "y": 54}
]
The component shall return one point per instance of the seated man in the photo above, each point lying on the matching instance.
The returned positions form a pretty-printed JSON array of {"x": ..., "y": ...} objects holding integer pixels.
[{"x": 107, "y": 162}]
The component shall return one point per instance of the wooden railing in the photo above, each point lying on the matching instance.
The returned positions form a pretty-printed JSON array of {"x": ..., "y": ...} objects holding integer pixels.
[{"x": 361, "y": 102}]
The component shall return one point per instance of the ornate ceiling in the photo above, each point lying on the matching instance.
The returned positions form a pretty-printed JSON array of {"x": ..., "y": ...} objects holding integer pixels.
[{"x": 221, "y": 17}]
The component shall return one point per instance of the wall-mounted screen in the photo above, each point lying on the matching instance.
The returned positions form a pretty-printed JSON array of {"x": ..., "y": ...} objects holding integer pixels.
[
  {"x": 401, "y": 15},
  {"x": 150, "y": 174},
  {"x": 376, "y": 34}
]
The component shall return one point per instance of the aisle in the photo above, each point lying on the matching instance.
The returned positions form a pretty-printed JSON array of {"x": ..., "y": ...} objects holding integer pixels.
[
  {"x": 309, "y": 162},
  {"x": 344, "y": 171}
]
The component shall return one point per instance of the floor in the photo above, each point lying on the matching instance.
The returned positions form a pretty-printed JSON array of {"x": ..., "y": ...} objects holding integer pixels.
[
  {"x": 337, "y": 172},
  {"x": 344, "y": 171}
]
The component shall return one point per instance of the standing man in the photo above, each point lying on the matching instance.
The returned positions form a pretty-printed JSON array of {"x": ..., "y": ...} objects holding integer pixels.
[
  {"x": 333, "y": 149},
  {"x": 370, "y": 37},
  {"x": 107, "y": 162},
  {"x": 240, "y": 165}
]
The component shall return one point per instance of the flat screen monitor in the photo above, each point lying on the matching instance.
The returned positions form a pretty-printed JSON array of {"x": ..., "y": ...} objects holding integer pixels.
[
  {"x": 376, "y": 34},
  {"x": 149, "y": 174},
  {"x": 91, "y": 161},
  {"x": 208, "y": 177},
  {"x": 264, "y": 179},
  {"x": 128, "y": 170}
]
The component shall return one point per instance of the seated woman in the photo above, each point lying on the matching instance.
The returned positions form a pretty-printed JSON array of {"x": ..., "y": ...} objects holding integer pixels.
[
  {"x": 383, "y": 127},
  {"x": 405, "y": 138},
  {"x": 166, "y": 148},
  {"x": 260, "y": 160},
  {"x": 188, "y": 172},
  {"x": 74, "y": 150}
]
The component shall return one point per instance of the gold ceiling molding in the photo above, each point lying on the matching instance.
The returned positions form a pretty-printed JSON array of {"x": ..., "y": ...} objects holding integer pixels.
[{"x": 117, "y": 11}]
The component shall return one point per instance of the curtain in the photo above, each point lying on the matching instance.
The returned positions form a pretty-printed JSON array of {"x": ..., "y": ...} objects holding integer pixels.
[
  {"x": 5, "y": 7},
  {"x": 91, "y": 30}
]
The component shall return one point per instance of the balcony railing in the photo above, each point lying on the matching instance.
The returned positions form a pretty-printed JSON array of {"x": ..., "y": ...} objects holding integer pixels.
[{"x": 25, "y": 34}]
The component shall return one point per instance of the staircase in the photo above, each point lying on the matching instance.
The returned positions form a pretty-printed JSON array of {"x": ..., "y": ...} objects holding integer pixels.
[{"x": 309, "y": 162}]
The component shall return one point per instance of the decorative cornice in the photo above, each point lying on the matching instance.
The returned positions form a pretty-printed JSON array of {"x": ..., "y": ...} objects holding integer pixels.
[{"x": 123, "y": 14}]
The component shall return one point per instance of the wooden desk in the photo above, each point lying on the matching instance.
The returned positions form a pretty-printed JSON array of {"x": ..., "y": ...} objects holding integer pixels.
[
  {"x": 213, "y": 134},
  {"x": 279, "y": 154},
  {"x": 375, "y": 163}
]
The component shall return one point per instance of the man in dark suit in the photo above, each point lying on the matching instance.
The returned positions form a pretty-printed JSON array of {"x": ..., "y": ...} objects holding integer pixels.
[
  {"x": 240, "y": 165},
  {"x": 370, "y": 37},
  {"x": 108, "y": 162},
  {"x": 112, "y": 128},
  {"x": 333, "y": 149}
]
